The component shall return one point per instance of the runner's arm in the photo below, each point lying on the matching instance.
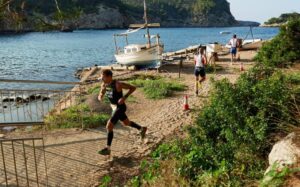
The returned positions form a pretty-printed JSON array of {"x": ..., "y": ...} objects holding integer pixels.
[
  {"x": 102, "y": 92},
  {"x": 204, "y": 60},
  {"x": 121, "y": 86},
  {"x": 129, "y": 87}
]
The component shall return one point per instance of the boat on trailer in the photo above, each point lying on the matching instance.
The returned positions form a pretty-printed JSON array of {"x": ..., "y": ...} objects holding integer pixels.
[
  {"x": 249, "y": 44},
  {"x": 140, "y": 54}
]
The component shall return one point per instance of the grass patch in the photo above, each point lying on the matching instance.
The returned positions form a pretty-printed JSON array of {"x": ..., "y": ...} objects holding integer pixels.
[
  {"x": 154, "y": 87},
  {"x": 158, "y": 88},
  {"x": 94, "y": 90},
  {"x": 277, "y": 177},
  {"x": 294, "y": 78},
  {"x": 73, "y": 118}
]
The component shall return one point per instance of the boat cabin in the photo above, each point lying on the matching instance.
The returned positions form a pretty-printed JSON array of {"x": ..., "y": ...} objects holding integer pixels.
[{"x": 133, "y": 48}]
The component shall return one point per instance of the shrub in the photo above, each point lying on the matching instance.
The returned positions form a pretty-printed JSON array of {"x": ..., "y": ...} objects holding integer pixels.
[
  {"x": 233, "y": 134},
  {"x": 284, "y": 48}
]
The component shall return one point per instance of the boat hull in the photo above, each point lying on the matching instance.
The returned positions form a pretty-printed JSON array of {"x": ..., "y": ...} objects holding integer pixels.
[
  {"x": 252, "y": 45},
  {"x": 144, "y": 57}
]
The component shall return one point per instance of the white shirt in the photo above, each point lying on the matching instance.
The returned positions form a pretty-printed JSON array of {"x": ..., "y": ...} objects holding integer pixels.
[
  {"x": 233, "y": 42},
  {"x": 199, "y": 60}
]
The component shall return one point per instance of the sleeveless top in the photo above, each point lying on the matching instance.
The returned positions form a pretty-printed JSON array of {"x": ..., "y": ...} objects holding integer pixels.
[
  {"x": 233, "y": 42},
  {"x": 112, "y": 93},
  {"x": 199, "y": 61}
]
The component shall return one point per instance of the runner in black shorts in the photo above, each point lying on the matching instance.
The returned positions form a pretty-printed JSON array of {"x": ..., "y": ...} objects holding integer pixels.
[
  {"x": 199, "y": 71},
  {"x": 114, "y": 91},
  {"x": 200, "y": 61}
]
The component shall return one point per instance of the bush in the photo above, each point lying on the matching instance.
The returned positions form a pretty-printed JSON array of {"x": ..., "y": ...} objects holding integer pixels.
[
  {"x": 233, "y": 134},
  {"x": 284, "y": 49},
  {"x": 74, "y": 116}
]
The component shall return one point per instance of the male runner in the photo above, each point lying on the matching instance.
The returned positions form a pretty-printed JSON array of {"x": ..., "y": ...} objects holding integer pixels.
[{"x": 114, "y": 91}]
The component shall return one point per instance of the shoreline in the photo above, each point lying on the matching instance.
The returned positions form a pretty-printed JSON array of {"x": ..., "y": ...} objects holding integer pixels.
[{"x": 15, "y": 32}]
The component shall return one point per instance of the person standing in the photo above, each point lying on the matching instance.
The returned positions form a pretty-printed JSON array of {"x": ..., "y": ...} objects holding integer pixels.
[
  {"x": 200, "y": 62},
  {"x": 233, "y": 42},
  {"x": 114, "y": 91}
]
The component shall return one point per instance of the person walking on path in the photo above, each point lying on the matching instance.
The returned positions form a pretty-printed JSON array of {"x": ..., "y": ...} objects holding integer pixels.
[
  {"x": 114, "y": 91},
  {"x": 233, "y": 42},
  {"x": 200, "y": 61}
]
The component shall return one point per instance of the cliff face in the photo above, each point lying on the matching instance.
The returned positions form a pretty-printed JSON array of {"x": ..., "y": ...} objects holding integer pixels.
[
  {"x": 104, "y": 18},
  {"x": 104, "y": 14}
]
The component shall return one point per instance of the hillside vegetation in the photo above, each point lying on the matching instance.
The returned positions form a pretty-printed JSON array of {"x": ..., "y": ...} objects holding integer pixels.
[
  {"x": 32, "y": 14},
  {"x": 283, "y": 18}
]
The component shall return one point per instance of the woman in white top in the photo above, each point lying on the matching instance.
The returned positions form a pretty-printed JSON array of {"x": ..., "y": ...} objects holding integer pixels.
[{"x": 200, "y": 62}]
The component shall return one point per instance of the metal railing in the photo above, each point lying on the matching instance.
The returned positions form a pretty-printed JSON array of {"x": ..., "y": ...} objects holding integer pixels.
[
  {"x": 23, "y": 162},
  {"x": 31, "y": 106}
]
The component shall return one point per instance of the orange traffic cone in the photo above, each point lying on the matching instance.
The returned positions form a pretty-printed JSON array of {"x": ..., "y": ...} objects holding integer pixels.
[
  {"x": 242, "y": 66},
  {"x": 186, "y": 104}
]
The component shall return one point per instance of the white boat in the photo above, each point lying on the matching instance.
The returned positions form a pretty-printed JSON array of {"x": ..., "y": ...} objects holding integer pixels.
[
  {"x": 225, "y": 32},
  {"x": 140, "y": 54},
  {"x": 251, "y": 44}
]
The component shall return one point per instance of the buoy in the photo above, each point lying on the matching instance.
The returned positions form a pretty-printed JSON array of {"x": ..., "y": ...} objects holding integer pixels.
[
  {"x": 186, "y": 104},
  {"x": 242, "y": 67}
]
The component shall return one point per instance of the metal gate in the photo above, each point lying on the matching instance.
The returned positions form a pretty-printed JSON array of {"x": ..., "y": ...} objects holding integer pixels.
[{"x": 23, "y": 162}]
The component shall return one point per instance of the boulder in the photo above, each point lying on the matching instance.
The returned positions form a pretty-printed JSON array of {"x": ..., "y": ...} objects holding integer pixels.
[
  {"x": 286, "y": 152},
  {"x": 96, "y": 106}
]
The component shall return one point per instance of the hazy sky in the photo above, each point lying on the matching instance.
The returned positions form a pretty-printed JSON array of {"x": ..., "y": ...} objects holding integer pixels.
[{"x": 262, "y": 10}]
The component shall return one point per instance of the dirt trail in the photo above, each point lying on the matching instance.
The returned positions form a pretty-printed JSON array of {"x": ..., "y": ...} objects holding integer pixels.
[{"x": 71, "y": 155}]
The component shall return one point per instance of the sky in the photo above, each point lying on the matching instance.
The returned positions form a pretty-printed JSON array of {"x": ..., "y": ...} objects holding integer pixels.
[{"x": 262, "y": 10}]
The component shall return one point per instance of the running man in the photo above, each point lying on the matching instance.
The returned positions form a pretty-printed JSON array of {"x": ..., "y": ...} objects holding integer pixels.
[
  {"x": 114, "y": 91},
  {"x": 200, "y": 61},
  {"x": 233, "y": 42}
]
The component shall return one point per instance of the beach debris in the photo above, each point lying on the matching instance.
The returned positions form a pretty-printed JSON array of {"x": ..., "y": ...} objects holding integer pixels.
[
  {"x": 34, "y": 97},
  {"x": 9, "y": 129},
  {"x": 8, "y": 100},
  {"x": 20, "y": 100},
  {"x": 45, "y": 98}
]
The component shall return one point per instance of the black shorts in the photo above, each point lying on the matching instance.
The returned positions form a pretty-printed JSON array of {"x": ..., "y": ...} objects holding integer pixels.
[
  {"x": 199, "y": 71},
  {"x": 118, "y": 114}
]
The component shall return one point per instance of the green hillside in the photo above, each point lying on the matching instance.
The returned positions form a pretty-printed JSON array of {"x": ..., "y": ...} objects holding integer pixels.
[{"x": 28, "y": 14}]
